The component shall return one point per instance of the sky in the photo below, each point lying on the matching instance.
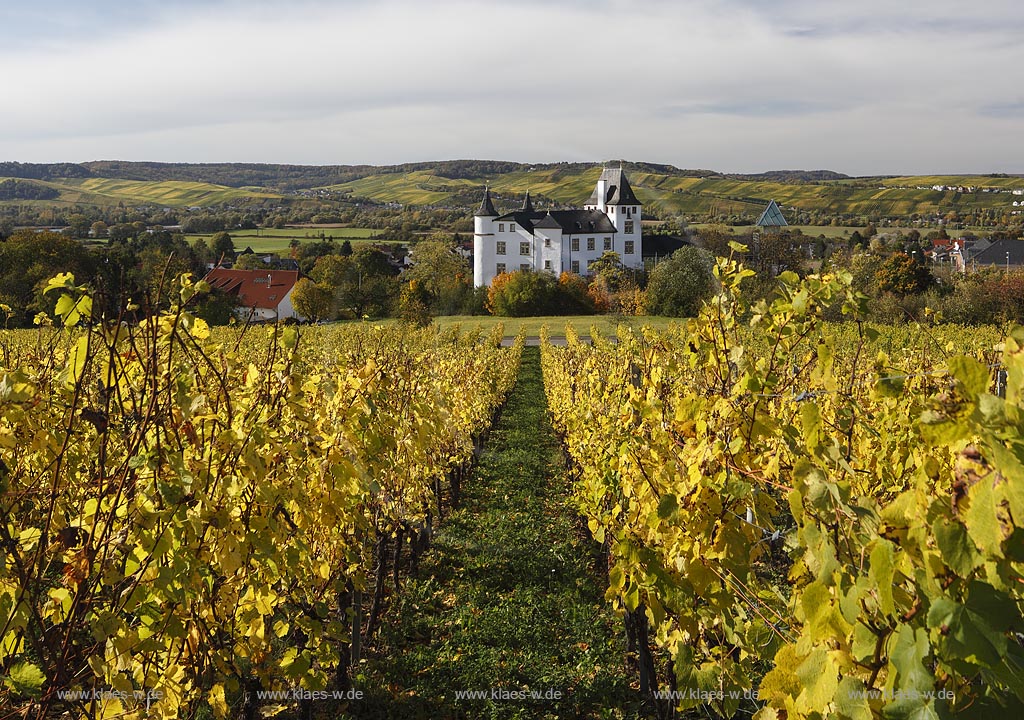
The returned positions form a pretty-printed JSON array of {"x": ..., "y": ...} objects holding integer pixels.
[{"x": 863, "y": 87}]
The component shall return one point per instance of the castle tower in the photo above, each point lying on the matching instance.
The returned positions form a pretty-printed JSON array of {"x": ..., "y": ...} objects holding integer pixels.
[
  {"x": 614, "y": 197},
  {"x": 483, "y": 238}
]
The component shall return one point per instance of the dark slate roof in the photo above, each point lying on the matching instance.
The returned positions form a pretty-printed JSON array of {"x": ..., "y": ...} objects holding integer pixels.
[
  {"x": 575, "y": 222},
  {"x": 995, "y": 254},
  {"x": 486, "y": 207},
  {"x": 771, "y": 217},
  {"x": 619, "y": 192},
  {"x": 527, "y": 204},
  {"x": 525, "y": 219},
  {"x": 661, "y": 245},
  {"x": 572, "y": 222},
  {"x": 547, "y": 222}
]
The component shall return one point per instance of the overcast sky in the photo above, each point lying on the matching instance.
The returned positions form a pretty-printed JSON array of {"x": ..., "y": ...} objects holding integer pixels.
[{"x": 859, "y": 86}]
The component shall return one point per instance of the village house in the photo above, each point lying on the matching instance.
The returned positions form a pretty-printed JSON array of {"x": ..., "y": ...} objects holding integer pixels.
[{"x": 260, "y": 295}]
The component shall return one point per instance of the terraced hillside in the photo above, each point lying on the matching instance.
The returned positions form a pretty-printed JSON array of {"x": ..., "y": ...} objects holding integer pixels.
[
  {"x": 700, "y": 195},
  {"x": 167, "y": 193},
  {"x": 457, "y": 184}
]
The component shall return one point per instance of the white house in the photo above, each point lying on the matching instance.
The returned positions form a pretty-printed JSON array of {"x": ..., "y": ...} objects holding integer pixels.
[
  {"x": 262, "y": 295},
  {"x": 558, "y": 241}
]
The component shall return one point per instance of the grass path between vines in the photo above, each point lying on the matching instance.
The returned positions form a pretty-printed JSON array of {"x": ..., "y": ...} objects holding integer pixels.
[{"x": 507, "y": 598}]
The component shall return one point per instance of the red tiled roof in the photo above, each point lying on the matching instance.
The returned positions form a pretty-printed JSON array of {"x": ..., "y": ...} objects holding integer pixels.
[{"x": 255, "y": 288}]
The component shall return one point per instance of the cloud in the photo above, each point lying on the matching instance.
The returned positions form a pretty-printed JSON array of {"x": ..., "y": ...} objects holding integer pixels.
[
  {"x": 759, "y": 107},
  {"x": 700, "y": 83},
  {"x": 1004, "y": 109}
]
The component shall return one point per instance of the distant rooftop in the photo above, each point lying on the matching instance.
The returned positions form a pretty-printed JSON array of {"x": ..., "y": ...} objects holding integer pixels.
[{"x": 772, "y": 216}]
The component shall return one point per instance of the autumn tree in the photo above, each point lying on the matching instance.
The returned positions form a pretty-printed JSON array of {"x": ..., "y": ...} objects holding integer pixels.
[
  {"x": 312, "y": 300},
  {"x": 679, "y": 286},
  {"x": 222, "y": 246},
  {"x": 522, "y": 293},
  {"x": 362, "y": 284},
  {"x": 903, "y": 275},
  {"x": 574, "y": 299},
  {"x": 250, "y": 261},
  {"x": 27, "y": 260},
  {"x": 414, "y": 304},
  {"x": 442, "y": 273},
  {"x": 715, "y": 239}
]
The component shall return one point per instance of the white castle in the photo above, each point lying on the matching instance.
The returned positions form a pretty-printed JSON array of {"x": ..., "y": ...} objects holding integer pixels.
[{"x": 558, "y": 241}]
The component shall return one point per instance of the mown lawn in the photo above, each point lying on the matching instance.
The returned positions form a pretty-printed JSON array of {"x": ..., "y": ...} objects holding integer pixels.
[{"x": 278, "y": 240}]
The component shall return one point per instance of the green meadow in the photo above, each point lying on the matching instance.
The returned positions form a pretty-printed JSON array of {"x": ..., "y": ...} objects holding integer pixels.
[{"x": 276, "y": 240}]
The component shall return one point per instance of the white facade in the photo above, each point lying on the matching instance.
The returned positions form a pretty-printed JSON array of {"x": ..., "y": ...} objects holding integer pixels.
[
  {"x": 559, "y": 241},
  {"x": 283, "y": 311}
]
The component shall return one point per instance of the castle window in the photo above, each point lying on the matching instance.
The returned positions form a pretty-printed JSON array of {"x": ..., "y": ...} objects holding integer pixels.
[
  {"x": 547, "y": 242},
  {"x": 629, "y": 227},
  {"x": 547, "y": 264},
  {"x": 499, "y": 268},
  {"x": 501, "y": 227},
  {"x": 630, "y": 245},
  {"x": 525, "y": 267},
  {"x": 511, "y": 227},
  {"x": 524, "y": 248},
  {"x": 575, "y": 265},
  {"x": 500, "y": 247},
  {"x": 608, "y": 243},
  {"x": 590, "y": 243},
  {"x": 575, "y": 244}
]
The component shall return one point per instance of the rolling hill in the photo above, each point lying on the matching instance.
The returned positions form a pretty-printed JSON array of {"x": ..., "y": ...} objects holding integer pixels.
[
  {"x": 700, "y": 195},
  {"x": 109, "y": 191},
  {"x": 665, "y": 189}
]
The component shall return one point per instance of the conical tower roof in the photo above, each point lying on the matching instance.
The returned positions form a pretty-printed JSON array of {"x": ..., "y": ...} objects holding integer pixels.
[
  {"x": 486, "y": 207},
  {"x": 527, "y": 203}
]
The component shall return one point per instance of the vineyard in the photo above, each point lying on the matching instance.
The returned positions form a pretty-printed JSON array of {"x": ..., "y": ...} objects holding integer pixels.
[
  {"x": 794, "y": 519},
  {"x": 190, "y": 519},
  {"x": 799, "y": 524}
]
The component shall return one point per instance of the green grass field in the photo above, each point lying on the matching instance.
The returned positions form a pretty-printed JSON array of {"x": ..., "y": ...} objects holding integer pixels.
[{"x": 276, "y": 240}]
